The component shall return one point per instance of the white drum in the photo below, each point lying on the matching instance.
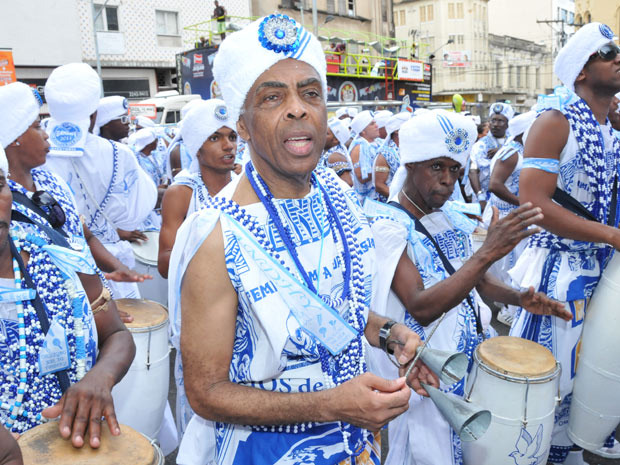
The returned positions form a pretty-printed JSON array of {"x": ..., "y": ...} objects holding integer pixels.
[
  {"x": 595, "y": 407},
  {"x": 517, "y": 380},
  {"x": 145, "y": 253},
  {"x": 141, "y": 397}
]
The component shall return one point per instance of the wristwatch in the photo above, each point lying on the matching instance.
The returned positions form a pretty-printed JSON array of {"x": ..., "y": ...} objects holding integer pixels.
[{"x": 384, "y": 335}]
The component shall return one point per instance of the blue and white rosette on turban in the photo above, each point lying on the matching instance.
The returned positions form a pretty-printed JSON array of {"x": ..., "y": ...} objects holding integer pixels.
[{"x": 246, "y": 54}]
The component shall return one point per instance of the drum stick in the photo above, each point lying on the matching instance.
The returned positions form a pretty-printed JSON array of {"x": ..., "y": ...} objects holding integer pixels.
[{"x": 423, "y": 346}]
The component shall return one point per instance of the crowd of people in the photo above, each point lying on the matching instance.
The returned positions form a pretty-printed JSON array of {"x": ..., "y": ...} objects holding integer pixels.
[{"x": 308, "y": 258}]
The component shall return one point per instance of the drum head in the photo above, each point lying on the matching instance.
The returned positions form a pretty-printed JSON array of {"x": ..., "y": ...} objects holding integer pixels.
[
  {"x": 44, "y": 445},
  {"x": 147, "y": 251},
  {"x": 515, "y": 356},
  {"x": 145, "y": 313}
]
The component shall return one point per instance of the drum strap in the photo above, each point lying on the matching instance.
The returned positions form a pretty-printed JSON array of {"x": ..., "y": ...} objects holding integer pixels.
[
  {"x": 446, "y": 263},
  {"x": 62, "y": 375},
  {"x": 57, "y": 236},
  {"x": 570, "y": 203}
]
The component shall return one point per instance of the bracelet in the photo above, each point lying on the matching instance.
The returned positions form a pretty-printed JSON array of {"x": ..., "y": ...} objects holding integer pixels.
[
  {"x": 384, "y": 335},
  {"x": 106, "y": 297}
]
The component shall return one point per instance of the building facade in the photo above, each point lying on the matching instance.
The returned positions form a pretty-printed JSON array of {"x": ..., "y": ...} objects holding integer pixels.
[
  {"x": 138, "y": 40},
  {"x": 603, "y": 11},
  {"x": 453, "y": 36}
]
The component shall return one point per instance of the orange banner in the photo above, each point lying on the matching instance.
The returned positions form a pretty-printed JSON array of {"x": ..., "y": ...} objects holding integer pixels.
[{"x": 7, "y": 68}]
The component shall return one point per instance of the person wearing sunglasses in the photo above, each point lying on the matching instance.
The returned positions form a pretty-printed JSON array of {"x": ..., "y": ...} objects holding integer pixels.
[
  {"x": 113, "y": 118},
  {"x": 566, "y": 261},
  {"x": 111, "y": 191},
  {"x": 47, "y": 291}
]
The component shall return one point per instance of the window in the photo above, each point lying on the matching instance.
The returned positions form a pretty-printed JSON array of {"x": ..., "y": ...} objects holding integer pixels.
[
  {"x": 459, "y": 11},
  {"x": 342, "y": 7},
  {"x": 331, "y": 6},
  {"x": 107, "y": 19},
  {"x": 167, "y": 23},
  {"x": 460, "y": 39},
  {"x": 422, "y": 14},
  {"x": 451, "y": 11},
  {"x": 403, "y": 18},
  {"x": 351, "y": 7},
  {"x": 430, "y": 13},
  {"x": 537, "y": 78},
  {"x": 498, "y": 75},
  {"x": 511, "y": 78},
  {"x": 519, "y": 68}
]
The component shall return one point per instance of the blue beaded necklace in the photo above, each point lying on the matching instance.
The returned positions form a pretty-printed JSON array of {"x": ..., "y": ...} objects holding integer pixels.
[{"x": 266, "y": 198}]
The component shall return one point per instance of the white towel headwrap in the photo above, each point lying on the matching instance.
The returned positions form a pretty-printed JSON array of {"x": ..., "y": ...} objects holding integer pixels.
[
  {"x": 202, "y": 120},
  {"x": 340, "y": 130},
  {"x": 141, "y": 138},
  {"x": 111, "y": 108},
  {"x": 144, "y": 122},
  {"x": 72, "y": 94},
  {"x": 248, "y": 53},
  {"x": 361, "y": 121},
  {"x": 396, "y": 121},
  {"x": 340, "y": 112},
  {"x": 503, "y": 109},
  {"x": 382, "y": 117},
  {"x": 577, "y": 51},
  {"x": 20, "y": 108},
  {"x": 520, "y": 123},
  {"x": 433, "y": 134}
]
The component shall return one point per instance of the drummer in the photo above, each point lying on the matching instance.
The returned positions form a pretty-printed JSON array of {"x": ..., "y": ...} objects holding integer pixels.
[
  {"x": 84, "y": 327},
  {"x": 567, "y": 260},
  {"x": 421, "y": 240}
]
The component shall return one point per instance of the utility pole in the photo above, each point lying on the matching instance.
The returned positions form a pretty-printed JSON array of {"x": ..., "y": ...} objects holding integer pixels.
[
  {"x": 95, "y": 16},
  {"x": 315, "y": 19},
  {"x": 562, "y": 32}
]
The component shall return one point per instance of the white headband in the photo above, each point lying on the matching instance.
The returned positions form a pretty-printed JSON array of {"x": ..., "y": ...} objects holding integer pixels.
[
  {"x": 340, "y": 130},
  {"x": 248, "y": 53},
  {"x": 340, "y": 112},
  {"x": 433, "y": 134},
  {"x": 577, "y": 51},
  {"x": 503, "y": 109},
  {"x": 20, "y": 108},
  {"x": 361, "y": 121}
]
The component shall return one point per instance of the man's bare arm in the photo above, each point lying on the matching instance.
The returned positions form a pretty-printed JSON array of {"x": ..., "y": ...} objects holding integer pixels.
[
  {"x": 381, "y": 176},
  {"x": 501, "y": 171},
  {"x": 547, "y": 139},
  {"x": 209, "y": 311},
  {"x": 174, "y": 208}
]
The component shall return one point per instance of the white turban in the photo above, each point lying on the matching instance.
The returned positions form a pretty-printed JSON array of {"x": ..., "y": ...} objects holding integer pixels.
[
  {"x": 352, "y": 112},
  {"x": 141, "y": 138},
  {"x": 203, "y": 120},
  {"x": 520, "y": 123},
  {"x": 382, "y": 117},
  {"x": 248, "y": 53},
  {"x": 111, "y": 108},
  {"x": 577, "y": 51},
  {"x": 361, "y": 121},
  {"x": 503, "y": 109},
  {"x": 72, "y": 94},
  {"x": 4, "y": 162},
  {"x": 145, "y": 122},
  {"x": 396, "y": 121},
  {"x": 433, "y": 134},
  {"x": 188, "y": 106},
  {"x": 340, "y": 130},
  {"x": 20, "y": 108},
  {"x": 340, "y": 112}
]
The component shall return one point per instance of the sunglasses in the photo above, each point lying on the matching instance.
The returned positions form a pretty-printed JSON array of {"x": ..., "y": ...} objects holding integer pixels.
[
  {"x": 125, "y": 119},
  {"x": 55, "y": 212},
  {"x": 607, "y": 52}
]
